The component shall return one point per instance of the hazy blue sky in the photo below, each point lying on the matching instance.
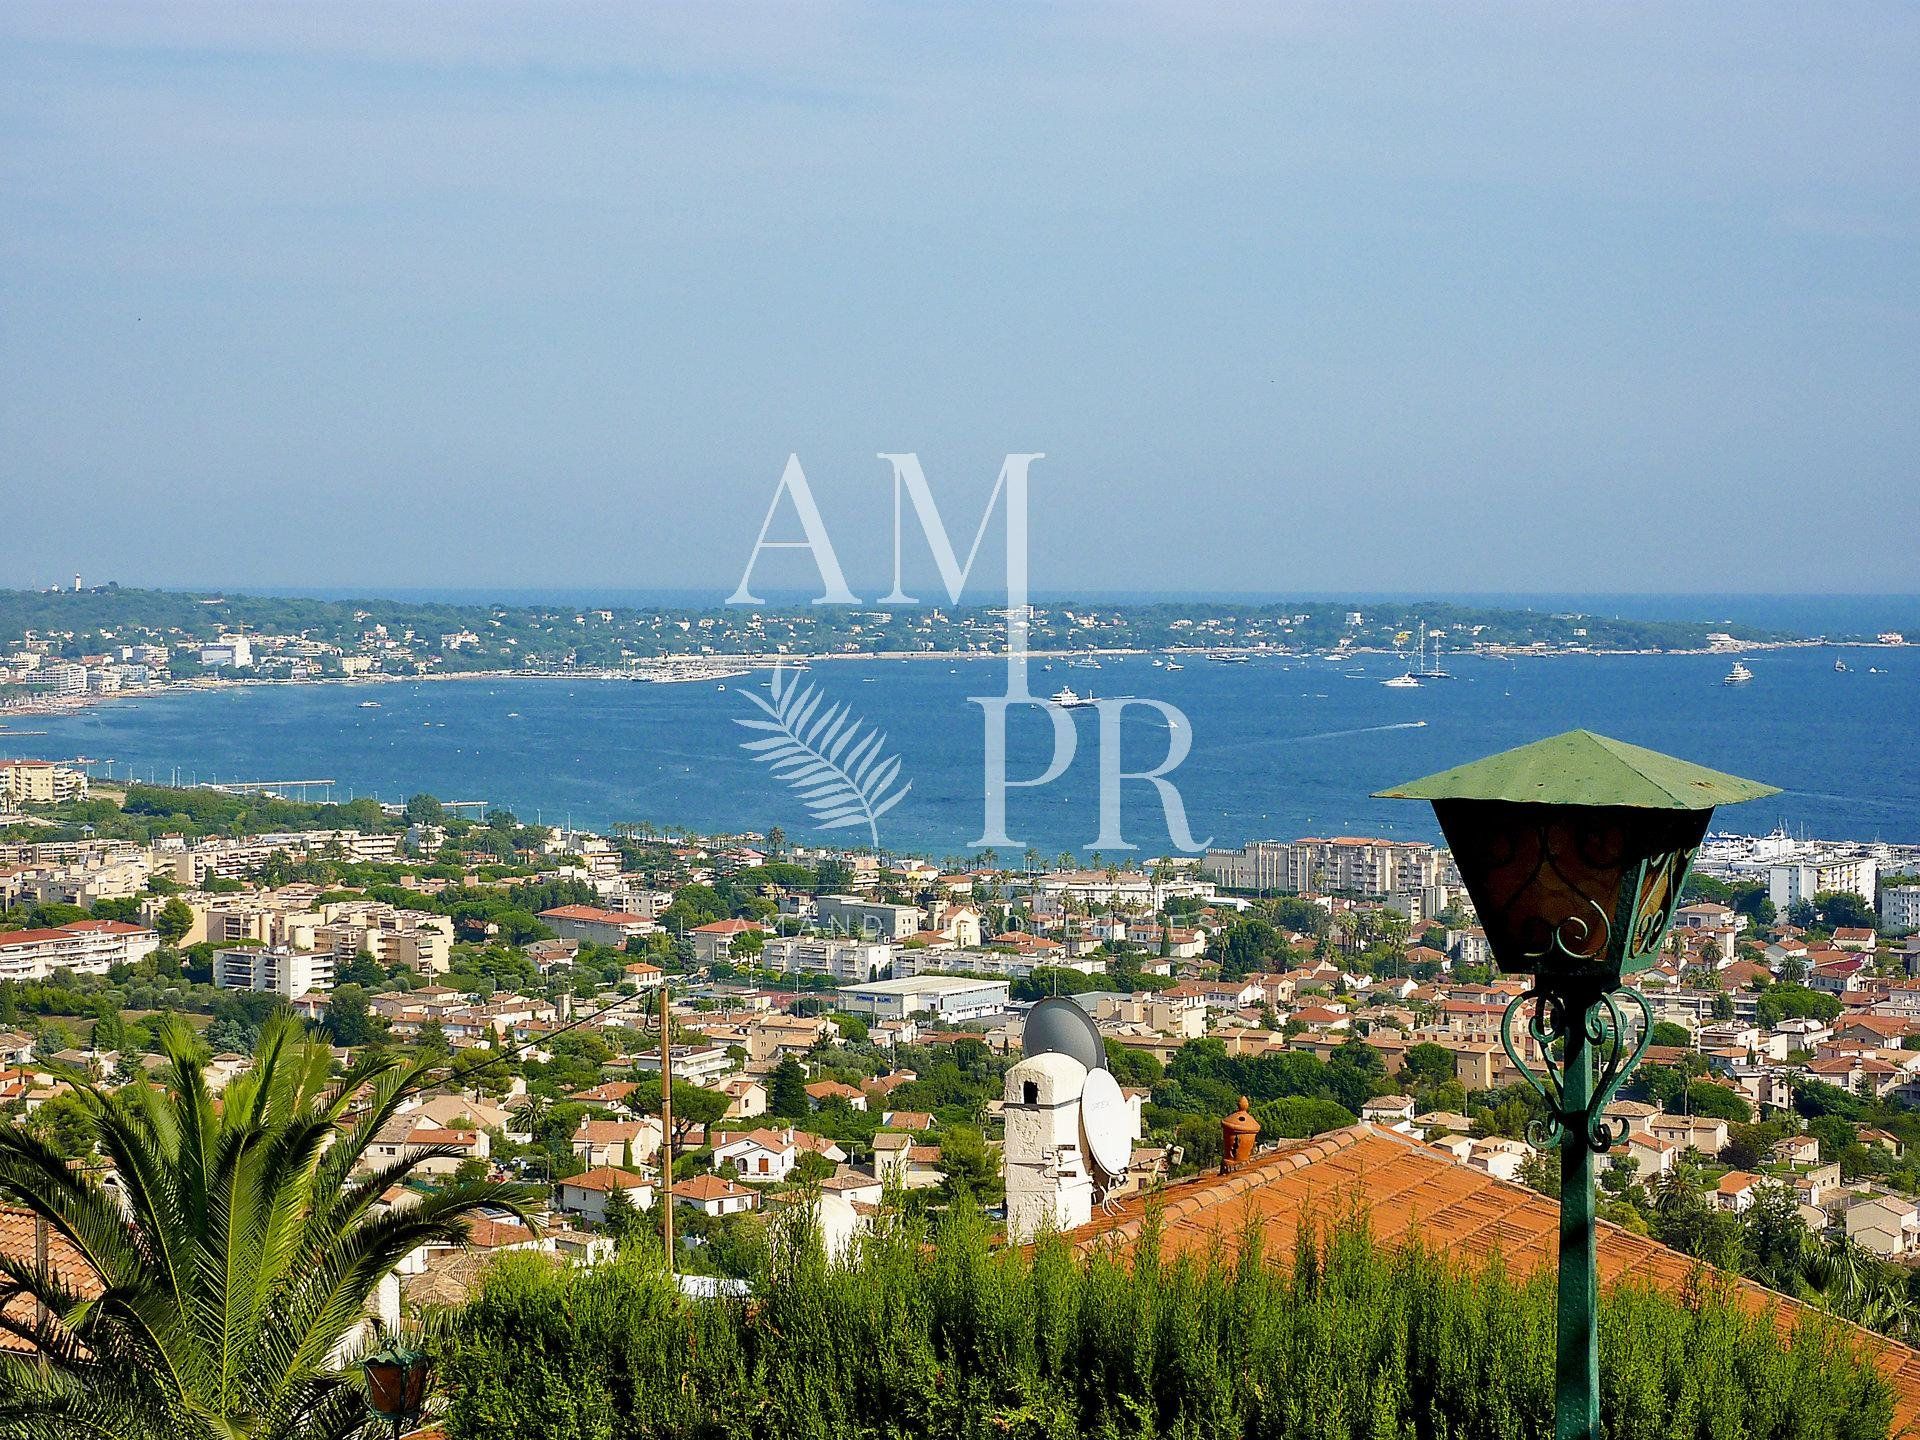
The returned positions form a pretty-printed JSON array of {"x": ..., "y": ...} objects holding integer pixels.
[{"x": 1461, "y": 297}]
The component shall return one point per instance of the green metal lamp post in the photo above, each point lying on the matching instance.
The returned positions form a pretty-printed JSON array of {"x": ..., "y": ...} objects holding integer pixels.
[
  {"x": 1574, "y": 851},
  {"x": 397, "y": 1378}
]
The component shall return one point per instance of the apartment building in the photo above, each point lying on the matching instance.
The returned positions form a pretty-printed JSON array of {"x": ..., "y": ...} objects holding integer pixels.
[
  {"x": 422, "y": 942},
  {"x": 276, "y": 970},
  {"x": 86, "y": 947},
  {"x": 85, "y": 884},
  {"x": 594, "y": 926},
  {"x": 286, "y": 919},
  {"x": 40, "y": 782},
  {"x": 1345, "y": 864},
  {"x": 714, "y": 940},
  {"x": 191, "y": 862},
  {"x": 866, "y": 919},
  {"x": 1805, "y": 876},
  {"x": 848, "y": 961},
  {"x": 1899, "y": 907}
]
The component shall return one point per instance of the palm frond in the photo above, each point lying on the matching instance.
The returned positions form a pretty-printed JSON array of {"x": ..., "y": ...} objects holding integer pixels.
[{"x": 836, "y": 764}]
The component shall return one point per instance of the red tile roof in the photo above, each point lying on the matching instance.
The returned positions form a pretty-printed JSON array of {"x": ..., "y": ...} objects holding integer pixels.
[
  {"x": 1407, "y": 1187},
  {"x": 604, "y": 1178},
  {"x": 17, "y": 1240}
]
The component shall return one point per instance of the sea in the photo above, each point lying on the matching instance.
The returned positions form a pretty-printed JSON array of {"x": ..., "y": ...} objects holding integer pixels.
[{"x": 1275, "y": 748}]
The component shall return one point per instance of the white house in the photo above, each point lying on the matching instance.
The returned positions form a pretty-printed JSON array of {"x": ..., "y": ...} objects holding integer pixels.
[
  {"x": 712, "y": 1195},
  {"x": 759, "y": 1154},
  {"x": 1888, "y": 1225},
  {"x": 586, "y": 1194}
]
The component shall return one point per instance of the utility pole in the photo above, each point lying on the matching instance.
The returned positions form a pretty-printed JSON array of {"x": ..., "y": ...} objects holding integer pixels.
[{"x": 666, "y": 1124}]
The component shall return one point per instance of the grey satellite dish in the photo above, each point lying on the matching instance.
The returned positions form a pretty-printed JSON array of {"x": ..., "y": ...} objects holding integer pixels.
[
  {"x": 1105, "y": 1126},
  {"x": 1058, "y": 1026}
]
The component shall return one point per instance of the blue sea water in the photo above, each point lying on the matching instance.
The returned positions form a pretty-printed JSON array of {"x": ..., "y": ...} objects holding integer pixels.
[{"x": 1280, "y": 748}]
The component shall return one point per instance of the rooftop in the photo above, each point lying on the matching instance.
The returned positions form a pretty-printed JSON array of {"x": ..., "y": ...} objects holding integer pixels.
[{"x": 1405, "y": 1186}]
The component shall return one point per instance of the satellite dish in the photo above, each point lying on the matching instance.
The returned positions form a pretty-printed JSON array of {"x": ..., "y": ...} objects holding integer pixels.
[
  {"x": 1104, "y": 1124},
  {"x": 1058, "y": 1026}
]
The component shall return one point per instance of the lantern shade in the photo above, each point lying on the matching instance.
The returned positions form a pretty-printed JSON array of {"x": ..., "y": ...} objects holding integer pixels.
[
  {"x": 396, "y": 1382},
  {"x": 1575, "y": 849},
  {"x": 1582, "y": 768}
]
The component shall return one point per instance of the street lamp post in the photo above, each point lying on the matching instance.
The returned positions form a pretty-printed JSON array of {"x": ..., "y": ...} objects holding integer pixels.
[
  {"x": 1574, "y": 851},
  {"x": 397, "y": 1378}
]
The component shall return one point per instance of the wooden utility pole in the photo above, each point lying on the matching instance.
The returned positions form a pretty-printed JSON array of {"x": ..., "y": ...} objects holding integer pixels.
[{"x": 666, "y": 1124}]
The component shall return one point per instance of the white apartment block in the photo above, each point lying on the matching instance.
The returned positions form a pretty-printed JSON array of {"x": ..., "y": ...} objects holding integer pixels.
[
  {"x": 228, "y": 650},
  {"x": 1345, "y": 864},
  {"x": 88, "y": 883},
  {"x": 1805, "y": 876},
  {"x": 866, "y": 919},
  {"x": 61, "y": 677},
  {"x": 1097, "y": 887},
  {"x": 848, "y": 961},
  {"x": 86, "y": 947},
  {"x": 190, "y": 863},
  {"x": 287, "y": 973},
  {"x": 1899, "y": 908}
]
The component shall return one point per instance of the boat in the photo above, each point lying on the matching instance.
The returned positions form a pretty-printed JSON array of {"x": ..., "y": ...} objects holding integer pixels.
[
  {"x": 1066, "y": 699},
  {"x": 369, "y": 704},
  {"x": 1739, "y": 675},
  {"x": 1433, "y": 671},
  {"x": 1175, "y": 665},
  {"x": 1228, "y": 659},
  {"x": 1408, "y": 681},
  {"x": 1085, "y": 662},
  {"x": 1840, "y": 667}
]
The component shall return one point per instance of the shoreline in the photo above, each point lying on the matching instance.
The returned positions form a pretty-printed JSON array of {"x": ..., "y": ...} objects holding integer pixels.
[{"x": 48, "y": 706}]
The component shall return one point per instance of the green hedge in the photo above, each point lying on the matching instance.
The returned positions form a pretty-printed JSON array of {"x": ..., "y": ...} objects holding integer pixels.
[{"x": 941, "y": 1336}]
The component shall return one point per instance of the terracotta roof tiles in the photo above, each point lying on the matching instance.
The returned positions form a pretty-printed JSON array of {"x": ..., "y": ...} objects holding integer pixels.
[{"x": 1403, "y": 1186}]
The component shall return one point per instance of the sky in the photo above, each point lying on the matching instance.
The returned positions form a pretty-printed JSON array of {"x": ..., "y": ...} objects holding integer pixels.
[{"x": 1464, "y": 297}]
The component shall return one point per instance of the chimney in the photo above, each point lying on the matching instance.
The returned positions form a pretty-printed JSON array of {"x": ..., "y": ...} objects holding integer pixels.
[{"x": 1237, "y": 1134}]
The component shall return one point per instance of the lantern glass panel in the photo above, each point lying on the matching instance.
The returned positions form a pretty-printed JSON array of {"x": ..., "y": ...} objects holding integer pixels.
[{"x": 1572, "y": 890}]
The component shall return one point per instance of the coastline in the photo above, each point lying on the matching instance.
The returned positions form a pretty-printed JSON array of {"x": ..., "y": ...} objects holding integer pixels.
[{"x": 30, "y": 707}]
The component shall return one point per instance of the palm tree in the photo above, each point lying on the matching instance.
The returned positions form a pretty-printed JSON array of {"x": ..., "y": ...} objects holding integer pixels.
[
  {"x": 220, "y": 1288},
  {"x": 534, "y": 1112}
]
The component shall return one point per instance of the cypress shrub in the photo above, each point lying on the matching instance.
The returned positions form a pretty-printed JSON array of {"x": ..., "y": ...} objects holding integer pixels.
[{"x": 936, "y": 1335}]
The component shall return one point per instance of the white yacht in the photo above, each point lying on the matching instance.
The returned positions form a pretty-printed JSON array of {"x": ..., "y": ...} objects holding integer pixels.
[
  {"x": 1739, "y": 675},
  {"x": 1066, "y": 699},
  {"x": 1408, "y": 681}
]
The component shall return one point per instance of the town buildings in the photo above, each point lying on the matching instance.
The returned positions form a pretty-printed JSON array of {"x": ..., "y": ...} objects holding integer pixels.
[
  {"x": 86, "y": 947},
  {"x": 1346, "y": 865}
]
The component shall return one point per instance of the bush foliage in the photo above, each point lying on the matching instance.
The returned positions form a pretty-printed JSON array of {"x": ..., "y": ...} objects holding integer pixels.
[{"x": 941, "y": 1336}]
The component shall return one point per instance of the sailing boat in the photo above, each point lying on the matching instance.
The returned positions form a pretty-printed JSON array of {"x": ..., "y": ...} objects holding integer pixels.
[
  {"x": 1739, "y": 675},
  {"x": 1433, "y": 671},
  {"x": 1409, "y": 681}
]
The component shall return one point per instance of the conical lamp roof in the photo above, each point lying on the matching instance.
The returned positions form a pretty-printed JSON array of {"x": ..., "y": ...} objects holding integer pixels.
[{"x": 1582, "y": 768}]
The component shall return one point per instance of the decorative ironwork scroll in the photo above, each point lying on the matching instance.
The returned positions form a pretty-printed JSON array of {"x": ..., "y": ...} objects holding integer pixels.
[{"x": 1614, "y": 1054}]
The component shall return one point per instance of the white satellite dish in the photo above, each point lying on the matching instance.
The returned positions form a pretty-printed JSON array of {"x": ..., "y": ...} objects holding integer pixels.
[{"x": 1104, "y": 1124}]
